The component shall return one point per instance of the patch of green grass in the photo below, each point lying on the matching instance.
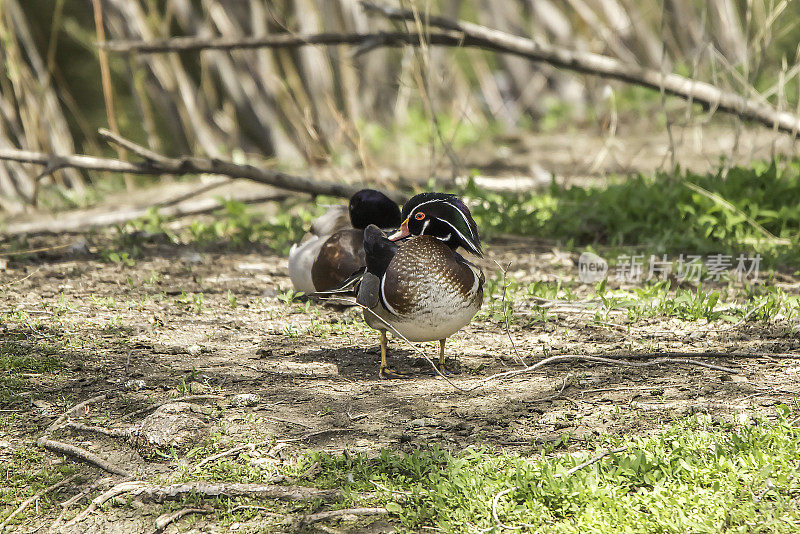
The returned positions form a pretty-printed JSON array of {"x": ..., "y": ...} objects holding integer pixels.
[
  {"x": 697, "y": 475},
  {"x": 25, "y": 472},
  {"x": 235, "y": 225},
  {"x": 22, "y": 355},
  {"x": 694, "y": 477},
  {"x": 670, "y": 213}
]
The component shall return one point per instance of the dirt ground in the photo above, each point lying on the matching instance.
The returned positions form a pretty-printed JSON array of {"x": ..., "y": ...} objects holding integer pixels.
[
  {"x": 138, "y": 334},
  {"x": 210, "y": 324}
]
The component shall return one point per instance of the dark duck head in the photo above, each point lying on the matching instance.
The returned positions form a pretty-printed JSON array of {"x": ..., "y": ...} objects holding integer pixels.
[
  {"x": 373, "y": 207},
  {"x": 442, "y": 216}
]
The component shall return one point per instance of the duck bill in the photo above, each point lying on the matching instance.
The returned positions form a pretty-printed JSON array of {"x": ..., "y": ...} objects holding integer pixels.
[{"x": 401, "y": 233}]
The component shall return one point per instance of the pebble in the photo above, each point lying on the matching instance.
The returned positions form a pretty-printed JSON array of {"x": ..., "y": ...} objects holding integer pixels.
[
  {"x": 245, "y": 399},
  {"x": 135, "y": 385}
]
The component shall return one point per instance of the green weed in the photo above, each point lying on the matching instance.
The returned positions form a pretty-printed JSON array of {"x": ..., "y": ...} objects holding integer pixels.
[{"x": 744, "y": 210}]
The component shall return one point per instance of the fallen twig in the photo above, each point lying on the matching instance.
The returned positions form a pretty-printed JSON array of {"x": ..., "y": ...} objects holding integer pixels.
[
  {"x": 232, "y": 489},
  {"x": 230, "y": 452},
  {"x": 159, "y": 404},
  {"x": 146, "y": 492},
  {"x": 117, "y": 490},
  {"x": 79, "y": 222},
  {"x": 164, "y": 520},
  {"x": 159, "y": 164},
  {"x": 590, "y": 461},
  {"x": 81, "y": 405},
  {"x": 705, "y": 94},
  {"x": 497, "y": 521},
  {"x": 82, "y": 455},
  {"x": 33, "y": 498},
  {"x": 704, "y": 404},
  {"x": 112, "y": 433},
  {"x": 505, "y": 314},
  {"x": 459, "y": 33},
  {"x": 324, "y": 516},
  {"x": 606, "y": 360}
]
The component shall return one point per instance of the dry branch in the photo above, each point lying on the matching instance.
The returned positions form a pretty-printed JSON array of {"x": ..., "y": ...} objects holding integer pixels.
[
  {"x": 163, "y": 521},
  {"x": 33, "y": 498},
  {"x": 82, "y": 455},
  {"x": 185, "y": 165},
  {"x": 146, "y": 492},
  {"x": 81, "y": 222},
  {"x": 461, "y": 33},
  {"x": 332, "y": 514},
  {"x": 187, "y": 398},
  {"x": 591, "y": 461}
]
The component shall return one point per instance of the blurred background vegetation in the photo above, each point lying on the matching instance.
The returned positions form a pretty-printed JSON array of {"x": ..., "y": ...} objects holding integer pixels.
[{"x": 318, "y": 107}]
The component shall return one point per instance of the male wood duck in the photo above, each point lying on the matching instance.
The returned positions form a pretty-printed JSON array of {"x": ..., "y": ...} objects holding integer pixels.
[
  {"x": 421, "y": 286},
  {"x": 333, "y": 249}
]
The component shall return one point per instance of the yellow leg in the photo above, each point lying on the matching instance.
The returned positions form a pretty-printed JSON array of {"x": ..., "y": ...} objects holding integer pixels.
[
  {"x": 384, "y": 365},
  {"x": 385, "y": 372}
]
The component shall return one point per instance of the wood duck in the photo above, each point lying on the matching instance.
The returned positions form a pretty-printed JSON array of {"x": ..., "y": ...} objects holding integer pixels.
[
  {"x": 421, "y": 286},
  {"x": 333, "y": 249}
]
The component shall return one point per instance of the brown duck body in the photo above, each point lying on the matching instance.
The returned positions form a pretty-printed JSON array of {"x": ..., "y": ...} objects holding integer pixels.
[
  {"x": 340, "y": 256},
  {"x": 428, "y": 291}
]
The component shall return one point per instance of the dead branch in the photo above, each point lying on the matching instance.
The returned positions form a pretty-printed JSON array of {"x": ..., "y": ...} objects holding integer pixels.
[
  {"x": 33, "y": 498},
  {"x": 156, "y": 493},
  {"x": 700, "y": 404},
  {"x": 159, "y": 164},
  {"x": 232, "y": 489},
  {"x": 496, "y": 518},
  {"x": 109, "y": 432},
  {"x": 332, "y": 514},
  {"x": 705, "y": 94},
  {"x": 66, "y": 223},
  {"x": 72, "y": 411},
  {"x": 82, "y": 455},
  {"x": 591, "y": 461},
  {"x": 117, "y": 490},
  {"x": 163, "y": 521},
  {"x": 230, "y": 452},
  {"x": 458, "y": 33},
  {"x": 159, "y": 404},
  {"x": 285, "y": 40}
]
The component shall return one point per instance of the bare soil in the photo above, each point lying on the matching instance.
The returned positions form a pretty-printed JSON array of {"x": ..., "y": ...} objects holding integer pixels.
[{"x": 137, "y": 333}]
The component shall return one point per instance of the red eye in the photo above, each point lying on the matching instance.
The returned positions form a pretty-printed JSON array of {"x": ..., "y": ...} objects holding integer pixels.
[{"x": 419, "y": 216}]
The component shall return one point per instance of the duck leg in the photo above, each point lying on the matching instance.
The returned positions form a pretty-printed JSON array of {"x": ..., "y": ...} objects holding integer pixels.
[
  {"x": 442, "y": 366},
  {"x": 385, "y": 372}
]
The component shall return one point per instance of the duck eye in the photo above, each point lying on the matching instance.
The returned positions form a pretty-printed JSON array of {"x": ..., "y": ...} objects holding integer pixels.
[{"x": 419, "y": 216}]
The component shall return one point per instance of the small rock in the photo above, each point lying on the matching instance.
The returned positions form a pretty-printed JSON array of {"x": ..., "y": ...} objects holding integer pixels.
[
  {"x": 422, "y": 422},
  {"x": 194, "y": 350},
  {"x": 582, "y": 432},
  {"x": 191, "y": 257},
  {"x": 4, "y": 444},
  {"x": 245, "y": 399},
  {"x": 235, "y": 526},
  {"x": 79, "y": 247},
  {"x": 196, "y": 388},
  {"x": 172, "y": 425},
  {"x": 42, "y": 405},
  {"x": 135, "y": 385},
  {"x": 739, "y": 379}
]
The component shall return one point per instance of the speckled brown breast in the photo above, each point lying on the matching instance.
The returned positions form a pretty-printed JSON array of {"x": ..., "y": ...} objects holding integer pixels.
[
  {"x": 424, "y": 268},
  {"x": 340, "y": 256}
]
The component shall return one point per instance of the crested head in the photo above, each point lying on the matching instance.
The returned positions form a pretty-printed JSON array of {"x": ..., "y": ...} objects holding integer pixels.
[
  {"x": 442, "y": 216},
  {"x": 369, "y": 206}
]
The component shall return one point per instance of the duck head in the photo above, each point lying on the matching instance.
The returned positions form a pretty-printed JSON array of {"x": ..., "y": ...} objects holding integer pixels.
[
  {"x": 442, "y": 216},
  {"x": 373, "y": 207}
]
